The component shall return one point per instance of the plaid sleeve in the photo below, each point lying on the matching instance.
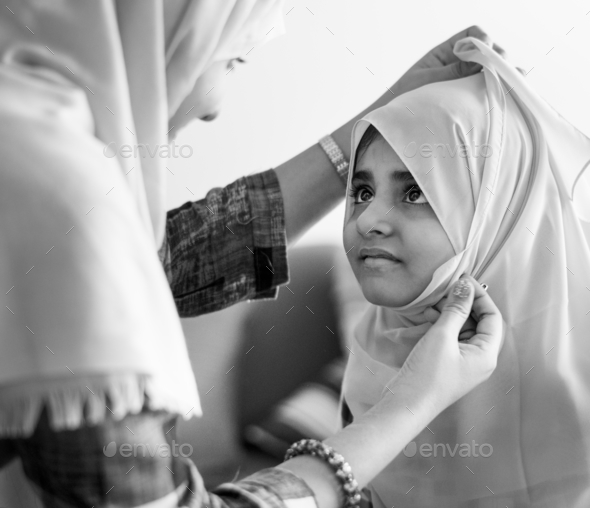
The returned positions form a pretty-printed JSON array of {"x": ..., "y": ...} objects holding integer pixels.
[
  {"x": 228, "y": 247},
  {"x": 269, "y": 488}
]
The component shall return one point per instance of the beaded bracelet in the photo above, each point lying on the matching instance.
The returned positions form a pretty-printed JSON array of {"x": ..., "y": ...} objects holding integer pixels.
[
  {"x": 352, "y": 493},
  {"x": 334, "y": 153}
]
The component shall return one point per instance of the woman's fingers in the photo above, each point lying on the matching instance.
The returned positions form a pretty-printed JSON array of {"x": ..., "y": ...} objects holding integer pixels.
[
  {"x": 431, "y": 314},
  {"x": 461, "y": 69},
  {"x": 441, "y": 63},
  {"x": 444, "y": 55},
  {"x": 434, "y": 74},
  {"x": 477, "y": 32},
  {"x": 444, "y": 52},
  {"x": 489, "y": 333},
  {"x": 449, "y": 368},
  {"x": 469, "y": 328},
  {"x": 500, "y": 50},
  {"x": 457, "y": 308}
]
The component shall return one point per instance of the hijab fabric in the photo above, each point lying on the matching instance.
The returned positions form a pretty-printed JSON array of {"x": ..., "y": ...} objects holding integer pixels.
[
  {"x": 95, "y": 325},
  {"x": 504, "y": 173}
]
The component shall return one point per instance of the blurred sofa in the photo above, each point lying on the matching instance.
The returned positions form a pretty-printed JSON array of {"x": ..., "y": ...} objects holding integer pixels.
[{"x": 270, "y": 370}]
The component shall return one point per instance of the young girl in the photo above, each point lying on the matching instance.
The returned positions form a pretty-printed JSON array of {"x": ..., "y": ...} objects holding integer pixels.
[{"x": 480, "y": 176}]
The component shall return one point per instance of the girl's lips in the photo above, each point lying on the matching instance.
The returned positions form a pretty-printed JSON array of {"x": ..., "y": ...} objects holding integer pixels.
[
  {"x": 376, "y": 253},
  {"x": 375, "y": 262}
]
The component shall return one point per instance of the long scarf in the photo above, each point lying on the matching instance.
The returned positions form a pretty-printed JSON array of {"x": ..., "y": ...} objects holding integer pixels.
[{"x": 94, "y": 330}]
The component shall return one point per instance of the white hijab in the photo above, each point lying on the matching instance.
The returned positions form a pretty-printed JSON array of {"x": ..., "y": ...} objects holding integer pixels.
[
  {"x": 94, "y": 325},
  {"x": 515, "y": 213}
]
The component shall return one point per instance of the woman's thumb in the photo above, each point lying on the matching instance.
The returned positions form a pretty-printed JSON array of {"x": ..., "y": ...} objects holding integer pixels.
[{"x": 457, "y": 307}]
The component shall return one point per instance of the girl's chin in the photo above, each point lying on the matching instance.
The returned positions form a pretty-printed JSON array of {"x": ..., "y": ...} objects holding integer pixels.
[{"x": 384, "y": 294}]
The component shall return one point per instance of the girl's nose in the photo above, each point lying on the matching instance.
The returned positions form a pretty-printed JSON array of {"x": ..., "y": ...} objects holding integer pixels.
[{"x": 376, "y": 219}]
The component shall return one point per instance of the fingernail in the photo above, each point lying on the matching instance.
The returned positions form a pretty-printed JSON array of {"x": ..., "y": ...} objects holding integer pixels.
[{"x": 462, "y": 289}]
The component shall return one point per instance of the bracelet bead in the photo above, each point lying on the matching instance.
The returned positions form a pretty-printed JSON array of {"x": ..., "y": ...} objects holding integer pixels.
[{"x": 342, "y": 470}]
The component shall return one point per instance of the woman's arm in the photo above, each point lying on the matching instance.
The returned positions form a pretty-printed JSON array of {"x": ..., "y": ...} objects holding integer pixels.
[
  {"x": 310, "y": 185},
  {"x": 369, "y": 443},
  {"x": 228, "y": 247},
  {"x": 439, "y": 371}
]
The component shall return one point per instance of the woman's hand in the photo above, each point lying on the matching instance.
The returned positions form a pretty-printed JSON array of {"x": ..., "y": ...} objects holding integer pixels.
[
  {"x": 441, "y": 64},
  {"x": 468, "y": 329},
  {"x": 442, "y": 366},
  {"x": 439, "y": 371}
]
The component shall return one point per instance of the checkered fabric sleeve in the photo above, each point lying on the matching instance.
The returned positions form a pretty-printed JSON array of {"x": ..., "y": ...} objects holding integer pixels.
[
  {"x": 269, "y": 488},
  {"x": 228, "y": 247},
  {"x": 72, "y": 469}
]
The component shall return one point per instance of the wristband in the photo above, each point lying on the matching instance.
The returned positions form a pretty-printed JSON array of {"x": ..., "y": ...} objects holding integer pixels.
[
  {"x": 336, "y": 157},
  {"x": 342, "y": 469}
]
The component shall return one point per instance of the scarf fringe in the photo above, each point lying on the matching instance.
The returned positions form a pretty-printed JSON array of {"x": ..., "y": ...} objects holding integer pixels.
[{"x": 79, "y": 403}]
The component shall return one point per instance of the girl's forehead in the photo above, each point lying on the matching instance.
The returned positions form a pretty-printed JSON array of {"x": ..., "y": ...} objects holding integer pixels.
[{"x": 380, "y": 156}]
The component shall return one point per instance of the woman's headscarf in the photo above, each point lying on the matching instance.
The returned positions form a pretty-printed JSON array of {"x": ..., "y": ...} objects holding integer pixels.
[
  {"x": 137, "y": 61},
  {"x": 504, "y": 174},
  {"x": 78, "y": 78}
]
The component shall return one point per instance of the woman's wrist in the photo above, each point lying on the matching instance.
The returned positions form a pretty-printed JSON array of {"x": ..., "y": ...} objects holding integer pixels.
[
  {"x": 422, "y": 400},
  {"x": 375, "y": 438},
  {"x": 368, "y": 444},
  {"x": 343, "y": 134},
  {"x": 319, "y": 477}
]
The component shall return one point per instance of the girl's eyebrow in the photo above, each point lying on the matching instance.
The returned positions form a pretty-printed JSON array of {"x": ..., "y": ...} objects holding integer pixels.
[
  {"x": 364, "y": 175},
  {"x": 401, "y": 176}
]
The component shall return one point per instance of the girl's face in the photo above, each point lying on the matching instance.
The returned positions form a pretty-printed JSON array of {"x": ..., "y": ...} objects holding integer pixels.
[{"x": 393, "y": 237}]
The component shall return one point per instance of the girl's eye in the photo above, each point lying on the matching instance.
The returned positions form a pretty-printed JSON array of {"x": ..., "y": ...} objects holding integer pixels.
[
  {"x": 361, "y": 194},
  {"x": 415, "y": 196}
]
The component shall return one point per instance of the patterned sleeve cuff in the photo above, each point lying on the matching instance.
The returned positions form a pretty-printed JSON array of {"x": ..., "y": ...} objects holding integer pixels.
[
  {"x": 228, "y": 247},
  {"x": 270, "y": 243},
  {"x": 272, "y": 488}
]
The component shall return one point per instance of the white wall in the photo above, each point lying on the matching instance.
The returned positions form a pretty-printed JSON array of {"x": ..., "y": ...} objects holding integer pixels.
[{"x": 306, "y": 83}]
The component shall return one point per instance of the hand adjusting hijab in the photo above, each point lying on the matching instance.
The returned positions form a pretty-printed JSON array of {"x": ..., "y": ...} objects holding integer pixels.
[
  {"x": 514, "y": 201},
  {"x": 77, "y": 76}
]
